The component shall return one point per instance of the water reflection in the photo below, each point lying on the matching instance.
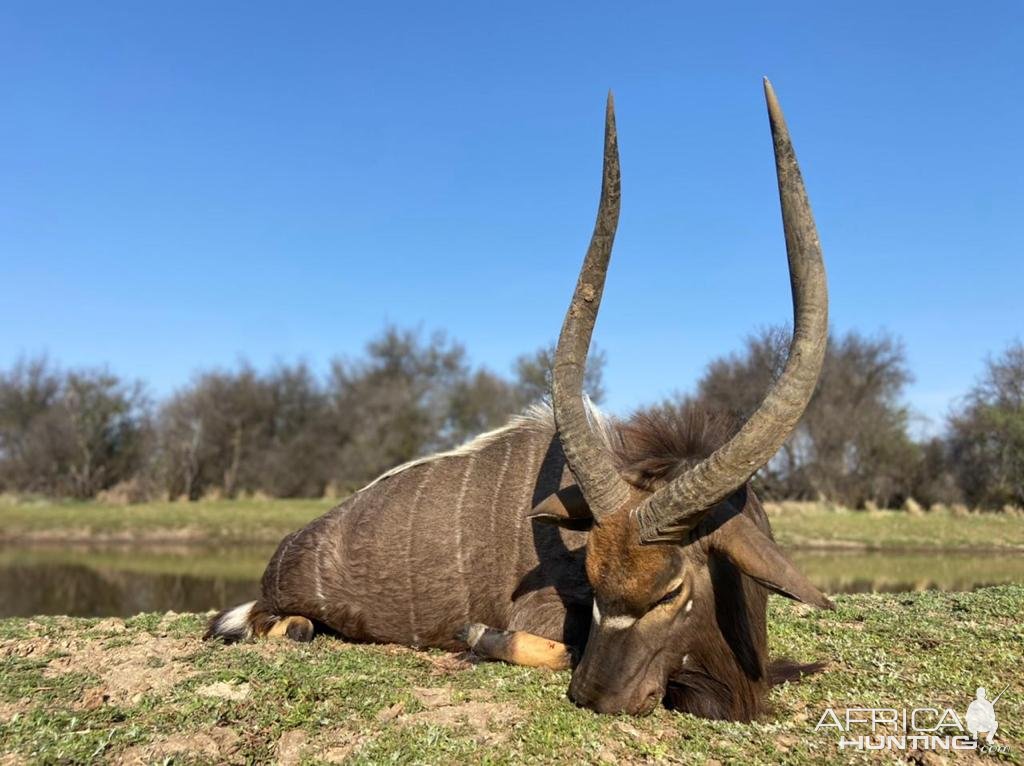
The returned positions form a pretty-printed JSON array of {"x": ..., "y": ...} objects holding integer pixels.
[
  {"x": 122, "y": 580},
  {"x": 95, "y": 582},
  {"x": 900, "y": 571}
]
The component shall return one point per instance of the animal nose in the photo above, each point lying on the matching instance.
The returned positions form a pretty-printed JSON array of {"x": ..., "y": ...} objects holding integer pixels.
[
  {"x": 614, "y": 703},
  {"x": 650, "y": 702},
  {"x": 583, "y": 696},
  {"x": 603, "y": 705}
]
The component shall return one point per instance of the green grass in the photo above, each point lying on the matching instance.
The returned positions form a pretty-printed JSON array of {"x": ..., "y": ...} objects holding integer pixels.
[
  {"x": 267, "y": 521},
  {"x": 209, "y": 521},
  {"x": 77, "y": 691},
  {"x": 862, "y": 571}
]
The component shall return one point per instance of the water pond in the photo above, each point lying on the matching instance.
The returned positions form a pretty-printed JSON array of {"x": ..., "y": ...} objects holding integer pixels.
[{"x": 126, "y": 580}]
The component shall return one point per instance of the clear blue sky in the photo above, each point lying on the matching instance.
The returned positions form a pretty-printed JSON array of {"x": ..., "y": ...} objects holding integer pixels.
[{"x": 186, "y": 184}]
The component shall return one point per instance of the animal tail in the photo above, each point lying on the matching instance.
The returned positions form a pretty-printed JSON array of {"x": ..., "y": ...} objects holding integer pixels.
[
  {"x": 784, "y": 670},
  {"x": 252, "y": 619},
  {"x": 235, "y": 624}
]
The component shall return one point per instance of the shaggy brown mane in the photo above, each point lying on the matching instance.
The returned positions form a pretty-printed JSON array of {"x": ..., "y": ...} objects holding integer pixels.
[{"x": 657, "y": 444}]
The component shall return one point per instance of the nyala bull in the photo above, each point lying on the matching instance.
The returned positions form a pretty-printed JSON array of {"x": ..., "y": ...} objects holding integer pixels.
[{"x": 632, "y": 551}]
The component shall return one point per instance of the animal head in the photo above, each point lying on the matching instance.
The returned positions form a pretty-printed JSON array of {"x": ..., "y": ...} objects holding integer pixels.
[{"x": 656, "y": 550}]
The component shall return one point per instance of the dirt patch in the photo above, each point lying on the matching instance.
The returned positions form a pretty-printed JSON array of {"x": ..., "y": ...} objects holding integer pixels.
[
  {"x": 291, "y": 746},
  {"x": 327, "y": 746},
  {"x": 224, "y": 691},
  {"x": 449, "y": 664},
  {"x": 28, "y": 647},
  {"x": 339, "y": 748},
  {"x": 434, "y": 696},
  {"x": 391, "y": 713},
  {"x": 145, "y": 664},
  {"x": 216, "y": 745},
  {"x": 442, "y": 696},
  {"x": 10, "y": 709},
  {"x": 490, "y": 722}
]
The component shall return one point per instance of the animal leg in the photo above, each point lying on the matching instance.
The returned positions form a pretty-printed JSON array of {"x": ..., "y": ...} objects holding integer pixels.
[
  {"x": 253, "y": 619},
  {"x": 516, "y": 647},
  {"x": 296, "y": 628}
]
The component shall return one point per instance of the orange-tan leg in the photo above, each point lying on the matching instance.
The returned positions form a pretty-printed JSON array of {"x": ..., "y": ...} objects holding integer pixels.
[
  {"x": 516, "y": 647},
  {"x": 296, "y": 628}
]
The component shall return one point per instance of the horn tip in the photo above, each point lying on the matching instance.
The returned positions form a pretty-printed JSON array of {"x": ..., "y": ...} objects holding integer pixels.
[{"x": 774, "y": 110}]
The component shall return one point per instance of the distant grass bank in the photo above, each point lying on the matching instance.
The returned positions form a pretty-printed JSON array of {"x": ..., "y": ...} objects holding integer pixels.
[
  {"x": 815, "y": 526},
  {"x": 206, "y": 521},
  {"x": 219, "y": 522},
  {"x": 147, "y": 690}
]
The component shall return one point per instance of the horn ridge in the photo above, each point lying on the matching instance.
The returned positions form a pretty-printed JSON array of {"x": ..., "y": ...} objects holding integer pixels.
[
  {"x": 588, "y": 459},
  {"x": 677, "y": 508}
]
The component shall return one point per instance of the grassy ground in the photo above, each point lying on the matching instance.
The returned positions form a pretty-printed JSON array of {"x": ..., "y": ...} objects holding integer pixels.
[
  {"x": 233, "y": 521},
  {"x": 858, "y": 571},
  {"x": 212, "y": 521},
  {"x": 808, "y": 525},
  {"x": 147, "y": 690}
]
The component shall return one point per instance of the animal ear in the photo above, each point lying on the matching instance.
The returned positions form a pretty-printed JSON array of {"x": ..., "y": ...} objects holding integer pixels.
[
  {"x": 757, "y": 556},
  {"x": 565, "y": 508}
]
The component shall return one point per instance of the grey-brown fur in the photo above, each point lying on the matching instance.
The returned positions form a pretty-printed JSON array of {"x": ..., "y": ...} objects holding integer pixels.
[
  {"x": 438, "y": 544},
  {"x": 447, "y": 541},
  {"x": 679, "y": 553}
]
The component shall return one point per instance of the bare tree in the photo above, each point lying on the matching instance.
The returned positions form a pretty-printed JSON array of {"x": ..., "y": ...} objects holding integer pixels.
[
  {"x": 533, "y": 375},
  {"x": 28, "y": 394},
  {"x": 394, "y": 404},
  {"x": 298, "y": 451},
  {"x": 852, "y": 444},
  {"x": 212, "y": 429},
  {"x": 69, "y": 433},
  {"x": 287, "y": 434}
]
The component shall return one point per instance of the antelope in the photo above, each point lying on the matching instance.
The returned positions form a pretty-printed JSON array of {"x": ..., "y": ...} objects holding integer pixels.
[{"x": 633, "y": 551}]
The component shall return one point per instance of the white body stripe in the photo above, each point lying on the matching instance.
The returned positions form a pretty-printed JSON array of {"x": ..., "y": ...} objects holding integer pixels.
[
  {"x": 318, "y": 589},
  {"x": 460, "y": 553}
]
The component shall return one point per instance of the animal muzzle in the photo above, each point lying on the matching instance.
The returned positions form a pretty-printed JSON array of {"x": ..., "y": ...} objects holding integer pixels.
[{"x": 616, "y": 676}]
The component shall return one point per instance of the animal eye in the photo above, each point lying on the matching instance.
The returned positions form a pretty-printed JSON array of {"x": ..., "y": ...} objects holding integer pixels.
[{"x": 670, "y": 596}]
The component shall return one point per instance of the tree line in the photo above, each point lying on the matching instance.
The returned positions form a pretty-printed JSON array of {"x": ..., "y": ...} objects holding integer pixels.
[{"x": 287, "y": 432}]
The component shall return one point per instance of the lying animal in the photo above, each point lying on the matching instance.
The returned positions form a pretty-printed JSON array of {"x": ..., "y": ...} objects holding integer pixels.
[{"x": 633, "y": 551}]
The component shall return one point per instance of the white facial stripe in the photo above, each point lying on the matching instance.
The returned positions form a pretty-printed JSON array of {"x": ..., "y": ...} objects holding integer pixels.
[
  {"x": 689, "y": 605},
  {"x": 619, "y": 622},
  {"x": 615, "y": 622}
]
